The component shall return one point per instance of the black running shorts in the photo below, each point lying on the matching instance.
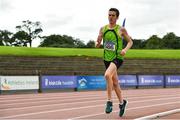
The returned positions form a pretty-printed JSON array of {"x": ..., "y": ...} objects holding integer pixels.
[{"x": 117, "y": 62}]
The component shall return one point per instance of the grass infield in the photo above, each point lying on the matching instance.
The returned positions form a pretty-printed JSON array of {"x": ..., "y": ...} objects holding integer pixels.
[{"x": 60, "y": 52}]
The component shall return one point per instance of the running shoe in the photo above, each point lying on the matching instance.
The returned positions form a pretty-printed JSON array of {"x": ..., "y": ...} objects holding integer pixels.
[
  {"x": 109, "y": 106},
  {"x": 123, "y": 108}
]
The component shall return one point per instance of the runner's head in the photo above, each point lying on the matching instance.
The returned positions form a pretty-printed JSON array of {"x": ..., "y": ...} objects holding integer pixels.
[{"x": 113, "y": 15}]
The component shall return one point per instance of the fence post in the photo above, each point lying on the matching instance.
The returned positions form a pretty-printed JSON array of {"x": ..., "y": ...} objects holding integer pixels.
[
  {"x": 137, "y": 86},
  {"x": 75, "y": 89},
  {"x": 40, "y": 81},
  {"x": 164, "y": 80}
]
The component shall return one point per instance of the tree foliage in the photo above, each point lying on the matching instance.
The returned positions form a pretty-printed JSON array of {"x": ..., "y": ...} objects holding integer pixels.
[
  {"x": 154, "y": 42},
  {"x": 20, "y": 38},
  {"x": 61, "y": 41},
  {"x": 29, "y": 30},
  {"x": 91, "y": 44},
  {"x": 169, "y": 41},
  {"x": 5, "y": 38}
]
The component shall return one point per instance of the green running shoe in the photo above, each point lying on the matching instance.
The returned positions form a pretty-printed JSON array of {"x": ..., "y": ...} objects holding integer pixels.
[
  {"x": 109, "y": 106},
  {"x": 122, "y": 108}
]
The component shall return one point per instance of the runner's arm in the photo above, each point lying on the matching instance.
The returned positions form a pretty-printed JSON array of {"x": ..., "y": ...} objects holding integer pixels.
[
  {"x": 99, "y": 39},
  {"x": 124, "y": 33}
]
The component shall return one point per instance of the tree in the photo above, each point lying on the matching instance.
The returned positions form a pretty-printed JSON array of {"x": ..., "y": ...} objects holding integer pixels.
[
  {"x": 137, "y": 43},
  {"x": 90, "y": 44},
  {"x": 79, "y": 44},
  {"x": 21, "y": 38},
  {"x": 154, "y": 42},
  {"x": 61, "y": 41},
  {"x": 5, "y": 38},
  {"x": 170, "y": 40},
  {"x": 57, "y": 41},
  {"x": 33, "y": 29}
]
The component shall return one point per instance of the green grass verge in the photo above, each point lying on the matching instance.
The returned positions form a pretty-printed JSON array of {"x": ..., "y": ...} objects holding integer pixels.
[{"x": 59, "y": 52}]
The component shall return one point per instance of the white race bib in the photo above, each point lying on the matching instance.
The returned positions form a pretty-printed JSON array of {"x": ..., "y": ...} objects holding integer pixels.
[{"x": 109, "y": 45}]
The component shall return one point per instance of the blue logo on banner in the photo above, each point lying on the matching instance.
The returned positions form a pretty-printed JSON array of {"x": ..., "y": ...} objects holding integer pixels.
[
  {"x": 150, "y": 80},
  {"x": 82, "y": 83},
  {"x": 173, "y": 80},
  {"x": 127, "y": 80},
  {"x": 91, "y": 82},
  {"x": 59, "y": 82}
]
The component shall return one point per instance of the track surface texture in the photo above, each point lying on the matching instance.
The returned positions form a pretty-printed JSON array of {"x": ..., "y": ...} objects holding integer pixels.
[{"x": 90, "y": 104}]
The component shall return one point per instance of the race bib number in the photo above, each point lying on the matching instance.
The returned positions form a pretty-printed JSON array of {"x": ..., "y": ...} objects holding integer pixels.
[{"x": 109, "y": 45}]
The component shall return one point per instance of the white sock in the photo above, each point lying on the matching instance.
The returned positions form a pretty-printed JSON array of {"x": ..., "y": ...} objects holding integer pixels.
[
  {"x": 121, "y": 103},
  {"x": 109, "y": 100}
]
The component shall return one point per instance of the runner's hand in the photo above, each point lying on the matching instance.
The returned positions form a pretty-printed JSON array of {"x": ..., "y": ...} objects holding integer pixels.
[
  {"x": 123, "y": 52},
  {"x": 97, "y": 45}
]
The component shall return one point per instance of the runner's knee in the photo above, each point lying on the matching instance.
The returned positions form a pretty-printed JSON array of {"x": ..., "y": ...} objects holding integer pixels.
[
  {"x": 107, "y": 75},
  {"x": 115, "y": 85}
]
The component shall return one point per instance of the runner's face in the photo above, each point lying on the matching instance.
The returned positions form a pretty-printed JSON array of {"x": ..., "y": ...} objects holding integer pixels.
[{"x": 112, "y": 17}]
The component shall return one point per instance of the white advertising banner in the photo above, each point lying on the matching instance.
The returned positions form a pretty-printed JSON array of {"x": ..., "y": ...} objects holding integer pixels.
[{"x": 19, "y": 82}]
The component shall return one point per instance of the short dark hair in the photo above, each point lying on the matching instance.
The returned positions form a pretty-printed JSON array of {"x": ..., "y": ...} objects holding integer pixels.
[{"x": 115, "y": 10}]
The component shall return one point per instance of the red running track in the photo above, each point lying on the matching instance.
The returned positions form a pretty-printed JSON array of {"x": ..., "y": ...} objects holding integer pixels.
[{"x": 89, "y": 104}]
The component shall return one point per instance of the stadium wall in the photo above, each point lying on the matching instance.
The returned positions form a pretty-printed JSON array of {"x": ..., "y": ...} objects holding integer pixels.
[{"x": 13, "y": 65}]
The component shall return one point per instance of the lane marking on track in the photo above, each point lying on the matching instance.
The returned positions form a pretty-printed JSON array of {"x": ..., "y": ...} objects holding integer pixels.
[
  {"x": 32, "y": 106},
  {"x": 75, "y": 108},
  {"x": 79, "y": 98},
  {"x": 73, "y": 94},
  {"x": 44, "y": 98},
  {"x": 36, "y": 106},
  {"x": 92, "y": 115},
  {"x": 42, "y": 95},
  {"x": 155, "y": 116},
  {"x": 47, "y": 96}
]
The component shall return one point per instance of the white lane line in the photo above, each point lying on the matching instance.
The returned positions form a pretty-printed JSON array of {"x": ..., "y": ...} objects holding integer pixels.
[
  {"x": 29, "y": 107},
  {"x": 75, "y": 108},
  {"x": 43, "y": 98},
  {"x": 92, "y": 115},
  {"x": 43, "y": 95},
  {"x": 62, "y": 94},
  {"x": 159, "y": 115},
  {"x": 37, "y": 96},
  {"x": 51, "y": 111},
  {"x": 79, "y": 98},
  {"x": 34, "y": 97},
  {"x": 55, "y": 100},
  {"x": 34, "y": 106}
]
